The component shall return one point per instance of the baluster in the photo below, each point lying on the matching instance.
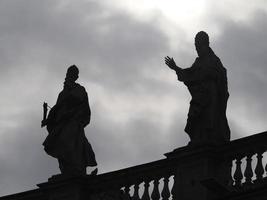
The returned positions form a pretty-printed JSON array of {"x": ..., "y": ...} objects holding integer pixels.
[
  {"x": 225, "y": 174},
  {"x": 259, "y": 170},
  {"x": 173, "y": 190},
  {"x": 238, "y": 176},
  {"x": 165, "y": 191},
  {"x": 248, "y": 171},
  {"x": 229, "y": 164},
  {"x": 127, "y": 192},
  {"x": 155, "y": 193},
  {"x": 136, "y": 192},
  {"x": 146, "y": 191}
]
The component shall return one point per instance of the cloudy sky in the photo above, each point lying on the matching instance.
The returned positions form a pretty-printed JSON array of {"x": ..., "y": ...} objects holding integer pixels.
[{"x": 138, "y": 107}]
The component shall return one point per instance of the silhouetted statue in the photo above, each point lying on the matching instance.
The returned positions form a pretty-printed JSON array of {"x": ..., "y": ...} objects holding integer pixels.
[
  {"x": 206, "y": 81},
  {"x": 66, "y": 140}
]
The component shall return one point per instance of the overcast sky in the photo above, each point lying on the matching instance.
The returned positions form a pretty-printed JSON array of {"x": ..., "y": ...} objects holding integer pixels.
[{"x": 139, "y": 109}]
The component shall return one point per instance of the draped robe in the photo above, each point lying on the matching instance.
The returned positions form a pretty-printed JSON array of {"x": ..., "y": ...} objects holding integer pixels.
[
  {"x": 66, "y": 140},
  {"x": 206, "y": 81}
]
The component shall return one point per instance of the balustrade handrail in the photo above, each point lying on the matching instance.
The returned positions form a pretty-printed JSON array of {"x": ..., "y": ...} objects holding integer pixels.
[
  {"x": 31, "y": 194},
  {"x": 256, "y": 143},
  {"x": 133, "y": 175},
  {"x": 167, "y": 167},
  {"x": 160, "y": 168}
]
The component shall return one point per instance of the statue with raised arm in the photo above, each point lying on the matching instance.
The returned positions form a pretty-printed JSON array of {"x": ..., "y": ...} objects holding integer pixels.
[
  {"x": 65, "y": 123},
  {"x": 206, "y": 81}
]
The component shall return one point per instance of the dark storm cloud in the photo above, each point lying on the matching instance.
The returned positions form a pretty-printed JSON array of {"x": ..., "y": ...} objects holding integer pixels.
[
  {"x": 104, "y": 43},
  {"x": 242, "y": 48}
]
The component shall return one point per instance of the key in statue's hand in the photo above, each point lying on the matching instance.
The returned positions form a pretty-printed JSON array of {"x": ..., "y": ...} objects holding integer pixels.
[{"x": 44, "y": 122}]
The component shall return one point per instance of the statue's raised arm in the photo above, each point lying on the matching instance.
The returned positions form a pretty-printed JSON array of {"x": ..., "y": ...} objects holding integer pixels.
[{"x": 171, "y": 64}]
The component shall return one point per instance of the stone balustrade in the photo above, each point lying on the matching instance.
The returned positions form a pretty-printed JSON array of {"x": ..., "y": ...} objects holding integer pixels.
[
  {"x": 245, "y": 158},
  {"x": 148, "y": 181},
  {"x": 207, "y": 172}
]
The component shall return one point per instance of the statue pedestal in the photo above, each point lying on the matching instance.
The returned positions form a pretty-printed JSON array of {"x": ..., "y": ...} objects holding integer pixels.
[
  {"x": 198, "y": 168},
  {"x": 59, "y": 187}
]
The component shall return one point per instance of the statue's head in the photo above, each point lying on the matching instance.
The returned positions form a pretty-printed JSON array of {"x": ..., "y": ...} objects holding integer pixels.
[
  {"x": 202, "y": 43},
  {"x": 72, "y": 73}
]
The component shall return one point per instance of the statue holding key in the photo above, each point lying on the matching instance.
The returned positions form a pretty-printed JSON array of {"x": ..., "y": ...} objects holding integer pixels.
[{"x": 65, "y": 123}]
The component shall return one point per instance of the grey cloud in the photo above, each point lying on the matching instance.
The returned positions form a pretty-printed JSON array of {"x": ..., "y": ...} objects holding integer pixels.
[
  {"x": 237, "y": 131},
  {"x": 103, "y": 45},
  {"x": 23, "y": 161},
  {"x": 138, "y": 140},
  {"x": 242, "y": 48}
]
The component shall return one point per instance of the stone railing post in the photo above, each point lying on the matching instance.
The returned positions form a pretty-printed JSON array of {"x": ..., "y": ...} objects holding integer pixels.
[
  {"x": 199, "y": 173},
  {"x": 69, "y": 189}
]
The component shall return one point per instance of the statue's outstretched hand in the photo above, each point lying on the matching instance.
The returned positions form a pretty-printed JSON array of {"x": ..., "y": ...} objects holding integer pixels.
[{"x": 171, "y": 63}]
